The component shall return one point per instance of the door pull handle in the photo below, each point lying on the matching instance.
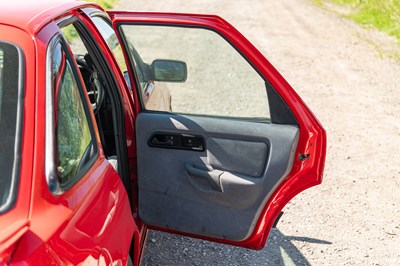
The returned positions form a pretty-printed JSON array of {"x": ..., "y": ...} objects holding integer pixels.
[{"x": 213, "y": 177}]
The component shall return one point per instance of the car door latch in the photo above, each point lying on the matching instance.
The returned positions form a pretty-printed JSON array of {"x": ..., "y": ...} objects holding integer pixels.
[{"x": 303, "y": 156}]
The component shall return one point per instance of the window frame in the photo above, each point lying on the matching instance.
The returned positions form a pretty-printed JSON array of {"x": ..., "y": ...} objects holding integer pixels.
[
  {"x": 125, "y": 42},
  {"x": 54, "y": 184},
  {"x": 83, "y": 24}
]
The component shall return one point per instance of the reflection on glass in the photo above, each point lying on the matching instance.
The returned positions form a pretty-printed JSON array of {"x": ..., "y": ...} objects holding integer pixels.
[{"x": 219, "y": 80}]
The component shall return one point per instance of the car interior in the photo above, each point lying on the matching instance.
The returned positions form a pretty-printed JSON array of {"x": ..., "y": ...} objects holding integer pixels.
[{"x": 100, "y": 102}]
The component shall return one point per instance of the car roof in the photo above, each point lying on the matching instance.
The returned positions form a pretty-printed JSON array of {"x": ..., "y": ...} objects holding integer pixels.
[{"x": 32, "y": 15}]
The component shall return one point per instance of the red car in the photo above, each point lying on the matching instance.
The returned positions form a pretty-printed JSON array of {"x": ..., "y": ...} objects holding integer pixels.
[{"x": 96, "y": 149}]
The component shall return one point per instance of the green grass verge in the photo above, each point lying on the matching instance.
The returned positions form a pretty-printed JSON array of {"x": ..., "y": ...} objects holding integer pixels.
[
  {"x": 106, "y": 4},
  {"x": 381, "y": 14}
]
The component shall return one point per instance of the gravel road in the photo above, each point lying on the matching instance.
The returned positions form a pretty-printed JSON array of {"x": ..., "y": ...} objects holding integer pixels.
[{"x": 336, "y": 67}]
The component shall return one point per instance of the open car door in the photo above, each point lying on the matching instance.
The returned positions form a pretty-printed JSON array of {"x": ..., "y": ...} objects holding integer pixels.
[{"x": 235, "y": 144}]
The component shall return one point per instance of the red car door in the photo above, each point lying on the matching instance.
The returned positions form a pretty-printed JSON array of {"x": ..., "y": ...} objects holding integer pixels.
[{"x": 239, "y": 142}]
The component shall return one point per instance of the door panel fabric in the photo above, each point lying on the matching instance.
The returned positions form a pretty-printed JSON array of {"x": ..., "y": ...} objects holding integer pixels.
[
  {"x": 218, "y": 191},
  {"x": 226, "y": 153}
]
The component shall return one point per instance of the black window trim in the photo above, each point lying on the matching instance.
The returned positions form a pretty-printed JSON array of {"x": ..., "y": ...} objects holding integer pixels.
[{"x": 13, "y": 195}]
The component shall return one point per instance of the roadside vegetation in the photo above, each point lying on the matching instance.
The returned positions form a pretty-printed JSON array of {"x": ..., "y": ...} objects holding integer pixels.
[
  {"x": 70, "y": 32},
  {"x": 383, "y": 15},
  {"x": 106, "y": 4}
]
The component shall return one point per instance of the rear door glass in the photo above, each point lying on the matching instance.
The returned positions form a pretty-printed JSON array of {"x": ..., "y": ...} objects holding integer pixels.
[{"x": 10, "y": 119}]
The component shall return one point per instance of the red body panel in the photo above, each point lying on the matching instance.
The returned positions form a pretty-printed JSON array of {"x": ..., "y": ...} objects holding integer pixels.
[{"x": 15, "y": 223}]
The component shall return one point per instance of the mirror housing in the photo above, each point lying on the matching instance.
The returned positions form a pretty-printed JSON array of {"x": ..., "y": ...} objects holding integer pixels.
[{"x": 169, "y": 70}]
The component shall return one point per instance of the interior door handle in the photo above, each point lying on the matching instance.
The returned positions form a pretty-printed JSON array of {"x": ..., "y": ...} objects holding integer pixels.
[
  {"x": 162, "y": 140},
  {"x": 177, "y": 141},
  {"x": 212, "y": 177}
]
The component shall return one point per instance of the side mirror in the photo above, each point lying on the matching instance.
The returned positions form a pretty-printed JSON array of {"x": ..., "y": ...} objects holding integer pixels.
[{"x": 169, "y": 70}]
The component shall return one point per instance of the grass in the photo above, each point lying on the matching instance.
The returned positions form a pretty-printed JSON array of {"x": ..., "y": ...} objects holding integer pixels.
[
  {"x": 70, "y": 32},
  {"x": 106, "y": 4},
  {"x": 383, "y": 15}
]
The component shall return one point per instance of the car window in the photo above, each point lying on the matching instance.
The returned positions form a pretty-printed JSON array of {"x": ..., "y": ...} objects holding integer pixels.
[
  {"x": 10, "y": 119},
  {"x": 74, "y": 140},
  {"x": 112, "y": 41},
  {"x": 83, "y": 59},
  {"x": 214, "y": 68},
  {"x": 110, "y": 37}
]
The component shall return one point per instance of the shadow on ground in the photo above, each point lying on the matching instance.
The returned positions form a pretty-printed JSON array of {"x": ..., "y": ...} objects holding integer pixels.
[{"x": 168, "y": 249}]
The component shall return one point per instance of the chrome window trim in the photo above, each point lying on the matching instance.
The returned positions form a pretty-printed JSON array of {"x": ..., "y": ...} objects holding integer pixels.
[
  {"x": 50, "y": 167},
  {"x": 55, "y": 186}
]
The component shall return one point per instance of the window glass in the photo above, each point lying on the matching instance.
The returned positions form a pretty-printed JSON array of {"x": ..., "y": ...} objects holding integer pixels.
[
  {"x": 218, "y": 82},
  {"x": 81, "y": 56},
  {"x": 112, "y": 41},
  {"x": 73, "y": 136},
  {"x": 74, "y": 40},
  {"x": 9, "y": 125},
  {"x": 91, "y": 78}
]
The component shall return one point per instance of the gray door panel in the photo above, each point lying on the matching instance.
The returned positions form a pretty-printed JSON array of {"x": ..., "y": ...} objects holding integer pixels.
[{"x": 218, "y": 190}]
